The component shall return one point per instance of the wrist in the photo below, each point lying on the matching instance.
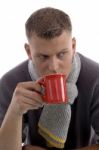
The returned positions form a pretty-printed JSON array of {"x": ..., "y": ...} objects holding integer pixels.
[{"x": 15, "y": 110}]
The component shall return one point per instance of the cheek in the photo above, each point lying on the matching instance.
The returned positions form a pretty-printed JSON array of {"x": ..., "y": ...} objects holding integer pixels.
[
  {"x": 40, "y": 64},
  {"x": 41, "y": 68},
  {"x": 67, "y": 68}
]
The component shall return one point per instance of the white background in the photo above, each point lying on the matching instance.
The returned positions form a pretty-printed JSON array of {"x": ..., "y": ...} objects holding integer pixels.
[{"x": 13, "y": 14}]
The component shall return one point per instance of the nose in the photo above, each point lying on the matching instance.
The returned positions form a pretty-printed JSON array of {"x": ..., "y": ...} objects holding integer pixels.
[{"x": 53, "y": 65}]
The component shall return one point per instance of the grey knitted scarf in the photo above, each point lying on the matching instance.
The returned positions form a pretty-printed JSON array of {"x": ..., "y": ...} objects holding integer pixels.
[{"x": 55, "y": 118}]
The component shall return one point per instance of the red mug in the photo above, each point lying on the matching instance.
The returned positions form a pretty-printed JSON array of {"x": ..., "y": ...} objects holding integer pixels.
[{"x": 55, "y": 91}]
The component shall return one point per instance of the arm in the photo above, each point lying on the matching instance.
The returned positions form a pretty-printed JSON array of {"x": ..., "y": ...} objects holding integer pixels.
[
  {"x": 10, "y": 132},
  {"x": 24, "y": 98}
]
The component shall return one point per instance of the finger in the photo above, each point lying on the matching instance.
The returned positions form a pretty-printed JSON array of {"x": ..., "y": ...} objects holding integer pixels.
[
  {"x": 26, "y": 107},
  {"x": 31, "y": 95},
  {"x": 35, "y": 106},
  {"x": 26, "y": 104},
  {"x": 32, "y": 102},
  {"x": 30, "y": 85}
]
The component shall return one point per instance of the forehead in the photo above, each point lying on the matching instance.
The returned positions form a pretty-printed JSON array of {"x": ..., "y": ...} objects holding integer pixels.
[{"x": 38, "y": 44}]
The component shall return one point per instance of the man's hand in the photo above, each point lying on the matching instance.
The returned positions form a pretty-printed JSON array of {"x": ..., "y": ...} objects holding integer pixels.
[
  {"x": 26, "y": 97},
  {"x": 30, "y": 147}
]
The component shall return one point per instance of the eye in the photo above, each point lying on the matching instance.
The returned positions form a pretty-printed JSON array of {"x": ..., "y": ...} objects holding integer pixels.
[
  {"x": 61, "y": 55},
  {"x": 43, "y": 57}
]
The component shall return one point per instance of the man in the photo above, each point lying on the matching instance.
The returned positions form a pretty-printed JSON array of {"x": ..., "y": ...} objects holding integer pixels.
[{"x": 51, "y": 49}]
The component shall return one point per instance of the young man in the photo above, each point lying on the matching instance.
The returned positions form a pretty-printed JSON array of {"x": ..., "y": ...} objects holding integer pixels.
[{"x": 51, "y": 49}]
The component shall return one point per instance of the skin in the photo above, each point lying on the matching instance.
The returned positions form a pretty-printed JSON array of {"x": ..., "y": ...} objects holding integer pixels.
[
  {"x": 52, "y": 56},
  {"x": 48, "y": 56}
]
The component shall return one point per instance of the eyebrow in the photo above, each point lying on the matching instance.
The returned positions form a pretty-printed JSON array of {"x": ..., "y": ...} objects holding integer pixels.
[{"x": 63, "y": 50}]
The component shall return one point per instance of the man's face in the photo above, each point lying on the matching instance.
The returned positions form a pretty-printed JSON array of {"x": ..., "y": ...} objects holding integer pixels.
[{"x": 52, "y": 56}]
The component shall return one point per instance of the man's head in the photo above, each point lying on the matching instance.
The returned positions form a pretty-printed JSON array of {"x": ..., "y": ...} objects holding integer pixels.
[
  {"x": 50, "y": 44},
  {"x": 47, "y": 23}
]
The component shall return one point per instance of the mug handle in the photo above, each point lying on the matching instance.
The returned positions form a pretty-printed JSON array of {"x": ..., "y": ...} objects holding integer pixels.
[{"x": 42, "y": 83}]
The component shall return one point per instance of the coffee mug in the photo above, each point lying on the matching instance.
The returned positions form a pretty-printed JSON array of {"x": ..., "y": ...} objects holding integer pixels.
[{"x": 54, "y": 86}]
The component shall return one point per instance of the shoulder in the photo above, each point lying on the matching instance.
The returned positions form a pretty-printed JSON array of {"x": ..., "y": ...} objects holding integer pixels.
[
  {"x": 89, "y": 68},
  {"x": 88, "y": 80},
  {"x": 17, "y": 74}
]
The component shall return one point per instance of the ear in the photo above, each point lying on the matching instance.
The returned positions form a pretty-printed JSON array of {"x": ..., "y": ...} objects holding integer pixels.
[
  {"x": 74, "y": 44},
  {"x": 28, "y": 51}
]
